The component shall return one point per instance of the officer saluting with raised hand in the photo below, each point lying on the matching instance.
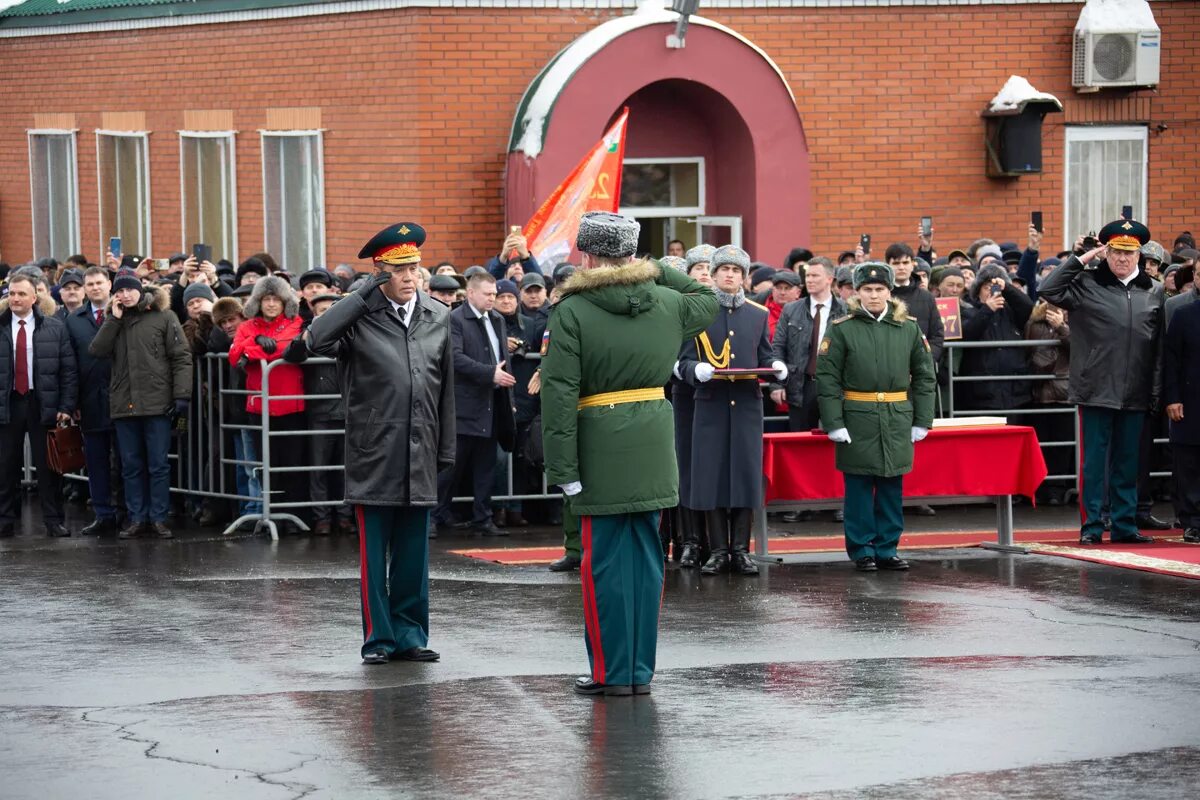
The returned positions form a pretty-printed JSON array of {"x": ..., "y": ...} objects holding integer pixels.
[
  {"x": 875, "y": 383},
  {"x": 394, "y": 346}
]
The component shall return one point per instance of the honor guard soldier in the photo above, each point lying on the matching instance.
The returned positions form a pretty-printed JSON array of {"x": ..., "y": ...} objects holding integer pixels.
[
  {"x": 1116, "y": 370},
  {"x": 609, "y": 438},
  {"x": 727, "y": 426},
  {"x": 397, "y": 367},
  {"x": 875, "y": 385}
]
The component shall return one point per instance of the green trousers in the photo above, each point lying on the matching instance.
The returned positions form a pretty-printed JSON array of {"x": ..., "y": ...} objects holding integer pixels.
[
  {"x": 874, "y": 511},
  {"x": 572, "y": 538},
  {"x": 393, "y": 548},
  {"x": 622, "y": 580},
  {"x": 1109, "y": 437}
]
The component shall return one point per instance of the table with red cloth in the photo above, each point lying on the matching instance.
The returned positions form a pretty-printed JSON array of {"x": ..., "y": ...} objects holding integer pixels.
[{"x": 951, "y": 463}]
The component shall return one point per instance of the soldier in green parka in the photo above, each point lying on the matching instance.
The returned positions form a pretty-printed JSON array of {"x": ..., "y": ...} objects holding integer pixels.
[
  {"x": 608, "y": 434},
  {"x": 875, "y": 385}
]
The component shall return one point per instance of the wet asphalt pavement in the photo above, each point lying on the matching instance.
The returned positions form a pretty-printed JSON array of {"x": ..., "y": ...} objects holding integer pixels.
[{"x": 211, "y": 667}]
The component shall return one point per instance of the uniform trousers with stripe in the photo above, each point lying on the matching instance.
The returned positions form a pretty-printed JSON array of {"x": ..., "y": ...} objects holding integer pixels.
[
  {"x": 393, "y": 546},
  {"x": 1109, "y": 444},
  {"x": 622, "y": 580}
]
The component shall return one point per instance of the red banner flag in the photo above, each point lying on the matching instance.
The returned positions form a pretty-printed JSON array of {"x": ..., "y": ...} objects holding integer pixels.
[{"x": 594, "y": 185}]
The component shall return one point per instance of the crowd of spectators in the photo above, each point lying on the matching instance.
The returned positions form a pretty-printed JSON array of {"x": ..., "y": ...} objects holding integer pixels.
[{"x": 143, "y": 347}]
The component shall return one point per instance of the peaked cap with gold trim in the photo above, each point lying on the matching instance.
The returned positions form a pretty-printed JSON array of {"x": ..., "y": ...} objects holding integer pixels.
[
  {"x": 1124, "y": 234},
  {"x": 396, "y": 244}
]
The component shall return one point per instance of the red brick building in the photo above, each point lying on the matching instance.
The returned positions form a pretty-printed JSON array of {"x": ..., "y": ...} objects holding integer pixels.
[{"x": 308, "y": 126}]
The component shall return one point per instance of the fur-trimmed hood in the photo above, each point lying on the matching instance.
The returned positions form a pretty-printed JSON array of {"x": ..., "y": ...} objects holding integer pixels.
[
  {"x": 272, "y": 284},
  {"x": 898, "y": 316},
  {"x": 154, "y": 298},
  {"x": 624, "y": 290},
  {"x": 45, "y": 305}
]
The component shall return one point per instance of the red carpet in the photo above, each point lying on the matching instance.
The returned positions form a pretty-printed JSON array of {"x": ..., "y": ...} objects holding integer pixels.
[
  {"x": 1166, "y": 556},
  {"x": 795, "y": 544}
]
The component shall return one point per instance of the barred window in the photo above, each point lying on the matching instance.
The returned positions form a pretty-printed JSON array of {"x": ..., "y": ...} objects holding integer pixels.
[
  {"x": 54, "y": 191},
  {"x": 208, "y": 190},
  {"x": 294, "y": 199},
  {"x": 123, "y": 166},
  {"x": 1106, "y": 170}
]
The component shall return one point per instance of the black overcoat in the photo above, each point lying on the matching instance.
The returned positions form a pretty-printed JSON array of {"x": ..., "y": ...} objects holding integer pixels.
[
  {"x": 55, "y": 379},
  {"x": 481, "y": 408},
  {"x": 1181, "y": 372},
  {"x": 727, "y": 426},
  {"x": 399, "y": 389},
  {"x": 94, "y": 373}
]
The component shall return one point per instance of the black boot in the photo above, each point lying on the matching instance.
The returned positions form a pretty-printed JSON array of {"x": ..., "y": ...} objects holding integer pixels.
[
  {"x": 718, "y": 542},
  {"x": 690, "y": 534},
  {"x": 740, "y": 522}
]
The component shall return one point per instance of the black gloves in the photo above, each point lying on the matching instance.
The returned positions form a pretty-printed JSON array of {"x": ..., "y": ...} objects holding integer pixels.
[
  {"x": 374, "y": 282},
  {"x": 268, "y": 344},
  {"x": 181, "y": 407}
]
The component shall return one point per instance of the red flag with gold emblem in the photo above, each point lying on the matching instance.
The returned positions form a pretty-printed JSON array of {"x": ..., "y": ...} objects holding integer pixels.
[{"x": 594, "y": 185}]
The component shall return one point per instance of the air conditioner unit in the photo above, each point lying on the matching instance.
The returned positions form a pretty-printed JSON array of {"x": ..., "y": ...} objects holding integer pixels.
[{"x": 1117, "y": 43}]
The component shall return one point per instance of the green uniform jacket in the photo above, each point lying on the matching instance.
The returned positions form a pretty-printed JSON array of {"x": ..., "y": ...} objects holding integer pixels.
[
  {"x": 617, "y": 328},
  {"x": 860, "y": 354}
]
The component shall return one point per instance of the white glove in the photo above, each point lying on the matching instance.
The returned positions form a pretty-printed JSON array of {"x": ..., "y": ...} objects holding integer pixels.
[
  {"x": 919, "y": 433},
  {"x": 840, "y": 435},
  {"x": 781, "y": 369},
  {"x": 571, "y": 489},
  {"x": 704, "y": 372}
]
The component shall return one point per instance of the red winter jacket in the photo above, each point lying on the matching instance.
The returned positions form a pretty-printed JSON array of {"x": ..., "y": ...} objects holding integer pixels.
[{"x": 286, "y": 379}]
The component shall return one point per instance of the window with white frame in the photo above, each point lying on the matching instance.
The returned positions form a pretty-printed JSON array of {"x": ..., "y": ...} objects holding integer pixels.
[
  {"x": 662, "y": 187},
  {"x": 1106, "y": 170},
  {"x": 208, "y": 192},
  {"x": 294, "y": 199},
  {"x": 123, "y": 167},
  {"x": 54, "y": 192}
]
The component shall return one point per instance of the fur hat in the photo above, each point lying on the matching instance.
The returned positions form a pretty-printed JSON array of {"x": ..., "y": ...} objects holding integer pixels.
[
  {"x": 700, "y": 254},
  {"x": 873, "y": 272},
  {"x": 730, "y": 254},
  {"x": 607, "y": 235},
  {"x": 276, "y": 286},
  {"x": 226, "y": 308},
  {"x": 674, "y": 262},
  {"x": 1154, "y": 250}
]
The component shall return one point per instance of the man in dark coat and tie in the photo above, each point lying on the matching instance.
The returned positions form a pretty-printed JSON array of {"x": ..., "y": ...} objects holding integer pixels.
[
  {"x": 393, "y": 344},
  {"x": 726, "y": 476},
  {"x": 482, "y": 401},
  {"x": 1181, "y": 394}
]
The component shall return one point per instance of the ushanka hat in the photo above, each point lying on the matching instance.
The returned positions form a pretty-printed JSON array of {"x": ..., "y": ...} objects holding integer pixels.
[
  {"x": 700, "y": 254},
  {"x": 674, "y": 262},
  {"x": 873, "y": 272},
  {"x": 607, "y": 235},
  {"x": 730, "y": 254}
]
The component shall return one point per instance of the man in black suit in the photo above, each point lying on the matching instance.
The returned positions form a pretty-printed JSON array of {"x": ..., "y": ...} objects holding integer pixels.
[
  {"x": 99, "y": 439},
  {"x": 482, "y": 402}
]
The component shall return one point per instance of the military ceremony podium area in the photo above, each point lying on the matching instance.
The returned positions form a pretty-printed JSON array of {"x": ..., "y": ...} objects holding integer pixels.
[{"x": 227, "y": 668}]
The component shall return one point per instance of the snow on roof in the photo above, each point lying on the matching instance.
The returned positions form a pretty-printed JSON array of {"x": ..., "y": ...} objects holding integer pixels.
[
  {"x": 1016, "y": 93},
  {"x": 1115, "y": 16},
  {"x": 564, "y": 66}
]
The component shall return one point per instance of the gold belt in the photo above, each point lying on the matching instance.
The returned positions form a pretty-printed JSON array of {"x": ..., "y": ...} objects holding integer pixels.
[
  {"x": 876, "y": 397},
  {"x": 623, "y": 396}
]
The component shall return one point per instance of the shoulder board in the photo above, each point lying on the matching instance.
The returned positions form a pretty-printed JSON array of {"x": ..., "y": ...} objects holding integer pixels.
[
  {"x": 840, "y": 320},
  {"x": 750, "y": 302}
]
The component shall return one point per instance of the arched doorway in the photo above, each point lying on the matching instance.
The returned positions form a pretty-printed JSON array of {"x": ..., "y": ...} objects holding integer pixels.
[{"x": 717, "y": 114}]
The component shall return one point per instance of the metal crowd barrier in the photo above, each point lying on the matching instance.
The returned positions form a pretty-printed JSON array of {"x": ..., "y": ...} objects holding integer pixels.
[{"x": 201, "y": 450}]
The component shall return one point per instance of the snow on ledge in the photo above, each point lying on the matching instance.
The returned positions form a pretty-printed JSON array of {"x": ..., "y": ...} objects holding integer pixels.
[
  {"x": 1016, "y": 93},
  {"x": 1116, "y": 16},
  {"x": 576, "y": 54}
]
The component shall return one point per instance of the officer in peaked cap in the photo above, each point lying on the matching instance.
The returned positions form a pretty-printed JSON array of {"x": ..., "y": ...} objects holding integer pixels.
[
  {"x": 612, "y": 340},
  {"x": 876, "y": 387},
  {"x": 1116, "y": 372},
  {"x": 397, "y": 362}
]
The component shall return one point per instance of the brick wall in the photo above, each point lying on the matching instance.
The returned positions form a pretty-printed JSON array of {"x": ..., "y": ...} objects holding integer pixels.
[{"x": 418, "y": 103}]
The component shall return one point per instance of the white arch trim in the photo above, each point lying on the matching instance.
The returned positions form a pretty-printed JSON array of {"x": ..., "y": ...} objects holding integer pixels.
[{"x": 563, "y": 67}]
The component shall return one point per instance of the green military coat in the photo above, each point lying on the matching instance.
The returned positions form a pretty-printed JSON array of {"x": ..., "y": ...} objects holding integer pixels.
[
  {"x": 615, "y": 329},
  {"x": 860, "y": 354}
]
